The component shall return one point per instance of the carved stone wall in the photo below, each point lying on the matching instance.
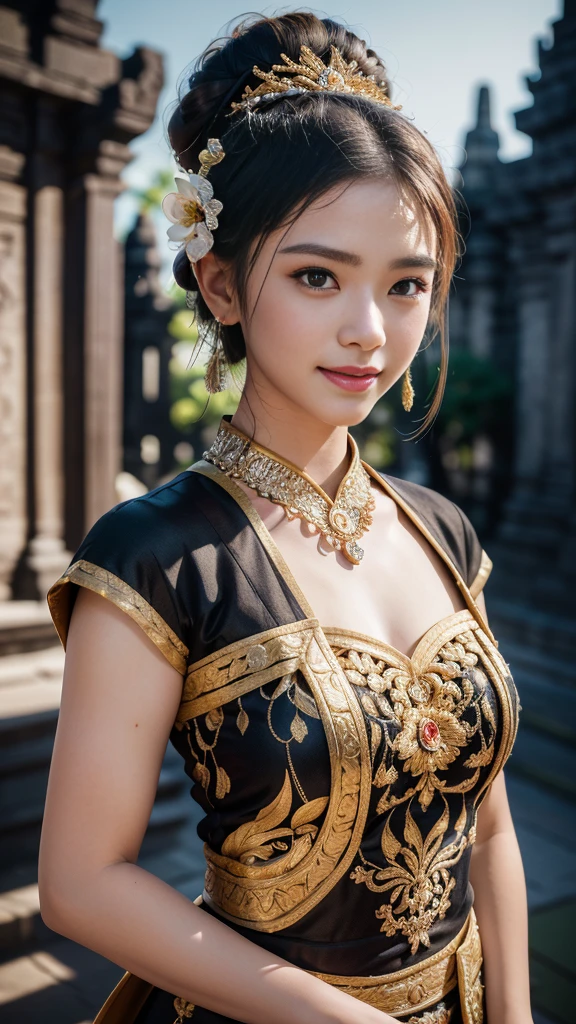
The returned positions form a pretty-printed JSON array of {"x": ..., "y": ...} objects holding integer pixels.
[
  {"x": 69, "y": 111},
  {"x": 517, "y": 304},
  {"x": 12, "y": 370}
]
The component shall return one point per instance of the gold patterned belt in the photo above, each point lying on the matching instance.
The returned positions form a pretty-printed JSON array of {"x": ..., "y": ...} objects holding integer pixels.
[
  {"x": 409, "y": 991},
  {"x": 416, "y": 988}
]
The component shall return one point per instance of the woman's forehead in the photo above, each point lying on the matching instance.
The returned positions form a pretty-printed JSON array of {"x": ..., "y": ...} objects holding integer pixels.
[{"x": 359, "y": 216}]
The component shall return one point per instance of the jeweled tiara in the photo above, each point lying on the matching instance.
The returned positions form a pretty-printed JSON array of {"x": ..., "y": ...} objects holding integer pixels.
[{"x": 313, "y": 75}]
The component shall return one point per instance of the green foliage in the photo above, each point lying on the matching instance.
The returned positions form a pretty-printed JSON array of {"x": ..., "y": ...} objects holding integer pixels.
[
  {"x": 182, "y": 326},
  {"x": 150, "y": 198},
  {"x": 477, "y": 398},
  {"x": 191, "y": 405}
]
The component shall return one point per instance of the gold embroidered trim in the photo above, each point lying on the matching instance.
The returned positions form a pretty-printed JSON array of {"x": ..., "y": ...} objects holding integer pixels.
[
  {"x": 415, "y": 988},
  {"x": 276, "y": 894},
  {"x": 426, "y": 647},
  {"x": 471, "y": 989},
  {"x": 242, "y": 666},
  {"x": 500, "y": 677},
  {"x": 101, "y": 581},
  {"x": 125, "y": 1001},
  {"x": 409, "y": 990},
  {"x": 482, "y": 575}
]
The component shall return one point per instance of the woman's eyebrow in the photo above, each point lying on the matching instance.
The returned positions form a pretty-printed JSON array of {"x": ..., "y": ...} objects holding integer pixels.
[
  {"x": 419, "y": 260},
  {"x": 314, "y": 249}
]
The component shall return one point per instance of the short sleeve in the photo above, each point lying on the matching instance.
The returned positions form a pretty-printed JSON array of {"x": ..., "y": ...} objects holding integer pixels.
[
  {"x": 450, "y": 527},
  {"x": 484, "y": 570},
  {"x": 128, "y": 558}
]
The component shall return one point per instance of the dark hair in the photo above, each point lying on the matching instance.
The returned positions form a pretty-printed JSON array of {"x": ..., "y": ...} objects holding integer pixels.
[{"x": 284, "y": 156}]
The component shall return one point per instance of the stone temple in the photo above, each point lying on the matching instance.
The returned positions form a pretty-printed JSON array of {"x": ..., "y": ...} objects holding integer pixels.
[{"x": 78, "y": 314}]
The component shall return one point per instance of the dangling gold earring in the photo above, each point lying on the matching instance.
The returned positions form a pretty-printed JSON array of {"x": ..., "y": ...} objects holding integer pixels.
[
  {"x": 215, "y": 376},
  {"x": 407, "y": 390}
]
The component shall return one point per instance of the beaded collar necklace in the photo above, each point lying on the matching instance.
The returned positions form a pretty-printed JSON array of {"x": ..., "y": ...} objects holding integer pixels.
[{"x": 341, "y": 522}]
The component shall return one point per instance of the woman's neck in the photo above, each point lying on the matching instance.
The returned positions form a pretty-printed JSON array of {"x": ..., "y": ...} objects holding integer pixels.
[{"x": 318, "y": 448}]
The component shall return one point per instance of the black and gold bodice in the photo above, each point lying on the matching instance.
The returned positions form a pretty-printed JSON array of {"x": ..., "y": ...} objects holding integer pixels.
[{"x": 340, "y": 779}]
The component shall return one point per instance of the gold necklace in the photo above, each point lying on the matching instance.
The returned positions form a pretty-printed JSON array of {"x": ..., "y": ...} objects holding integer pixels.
[{"x": 341, "y": 522}]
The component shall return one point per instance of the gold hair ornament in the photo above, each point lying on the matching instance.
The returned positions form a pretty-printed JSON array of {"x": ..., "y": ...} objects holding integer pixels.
[
  {"x": 313, "y": 75},
  {"x": 192, "y": 209}
]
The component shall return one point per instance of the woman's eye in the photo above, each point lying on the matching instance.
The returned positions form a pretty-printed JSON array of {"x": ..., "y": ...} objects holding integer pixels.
[
  {"x": 316, "y": 279},
  {"x": 409, "y": 287}
]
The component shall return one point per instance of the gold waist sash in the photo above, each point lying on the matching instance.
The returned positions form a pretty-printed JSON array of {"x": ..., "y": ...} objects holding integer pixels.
[
  {"x": 409, "y": 991},
  {"x": 414, "y": 989}
]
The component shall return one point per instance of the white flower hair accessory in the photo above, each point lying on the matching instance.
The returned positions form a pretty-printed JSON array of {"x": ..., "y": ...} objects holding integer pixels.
[{"x": 192, "y": 209}]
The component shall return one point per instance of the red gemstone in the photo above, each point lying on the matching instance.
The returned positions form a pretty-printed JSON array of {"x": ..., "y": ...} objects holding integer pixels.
[{"x": 429, "y": 734}]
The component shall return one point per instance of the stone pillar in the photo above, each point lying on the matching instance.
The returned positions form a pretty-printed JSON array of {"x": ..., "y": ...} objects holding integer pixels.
[
  {"x": 524, "y": 524},
  {"x": 13, "y": 512},
  {"x": 560, "y": 441},
  {"x": 103, "y": 348},
  {"x": 147, "y": 354},
  {"x": 47, "y": 555}
]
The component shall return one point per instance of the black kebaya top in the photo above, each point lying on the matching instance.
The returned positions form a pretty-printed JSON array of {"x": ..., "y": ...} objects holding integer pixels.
[{"x": 340, "y": 779}]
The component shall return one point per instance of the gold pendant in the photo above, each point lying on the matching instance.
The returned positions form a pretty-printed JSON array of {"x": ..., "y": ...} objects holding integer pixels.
[{"x": 341, "y": 522}]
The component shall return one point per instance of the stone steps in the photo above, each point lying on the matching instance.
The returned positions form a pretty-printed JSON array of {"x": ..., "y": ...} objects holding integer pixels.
[
  {"x": 545, "y": 760},
  {"x": 545, "y": 749},
  {"x": 30, "y": 690},
  {"x": 546, "y": 631},
  {"x": 44, "y": 977}
]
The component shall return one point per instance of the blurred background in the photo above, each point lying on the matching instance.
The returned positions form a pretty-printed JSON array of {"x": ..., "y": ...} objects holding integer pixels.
[{"x": 101, "y": 393}]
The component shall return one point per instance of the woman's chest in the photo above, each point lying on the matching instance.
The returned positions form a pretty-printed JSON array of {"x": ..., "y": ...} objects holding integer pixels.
[
  {"x": 397, "y": 592},
  {"x": 277, "y": 723}
]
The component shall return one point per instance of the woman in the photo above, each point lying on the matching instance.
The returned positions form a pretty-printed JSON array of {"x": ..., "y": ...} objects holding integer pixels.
[{"x": 310, "y": 635}]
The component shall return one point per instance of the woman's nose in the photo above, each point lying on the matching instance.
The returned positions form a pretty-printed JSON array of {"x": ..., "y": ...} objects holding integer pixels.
[{"x": 364, "y": 327}]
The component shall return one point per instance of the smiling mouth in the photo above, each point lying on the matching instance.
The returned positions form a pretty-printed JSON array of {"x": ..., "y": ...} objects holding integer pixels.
[{"x": 351, "y": 378}]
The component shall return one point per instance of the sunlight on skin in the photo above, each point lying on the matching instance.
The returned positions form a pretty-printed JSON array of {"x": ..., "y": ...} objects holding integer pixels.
[{"x": 308, "y": 313}]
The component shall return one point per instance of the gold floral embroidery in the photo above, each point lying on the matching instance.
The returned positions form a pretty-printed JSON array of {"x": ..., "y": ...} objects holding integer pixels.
[
  {"x": 428, "y": 710},
  {"x": 298, "y": 729},
  {"x": 261, "y": 838},
  {"x": 201, "y": 773},
  {"x": 426, "y": 984},
  {"x": 184, "y": 1009},
  {"x": 427, "y": 706},
  {"x": 421, "y": 882}
]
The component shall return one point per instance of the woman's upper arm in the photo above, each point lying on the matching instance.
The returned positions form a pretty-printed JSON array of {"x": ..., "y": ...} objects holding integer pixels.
[{"x": 119, "y": 701}]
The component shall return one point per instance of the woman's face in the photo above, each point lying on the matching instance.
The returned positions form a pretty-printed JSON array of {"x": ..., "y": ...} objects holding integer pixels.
[{"x": 337, "y": 313}]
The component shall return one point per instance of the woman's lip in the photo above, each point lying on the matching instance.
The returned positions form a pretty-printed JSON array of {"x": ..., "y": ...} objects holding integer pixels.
[{"x": 351, "y": 378}]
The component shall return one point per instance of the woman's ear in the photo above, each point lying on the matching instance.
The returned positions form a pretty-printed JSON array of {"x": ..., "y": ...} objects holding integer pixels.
[{"x": 215, "y": 283}]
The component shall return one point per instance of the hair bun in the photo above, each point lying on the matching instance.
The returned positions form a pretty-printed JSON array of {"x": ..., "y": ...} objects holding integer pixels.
[{"x": 225, "y": 68}]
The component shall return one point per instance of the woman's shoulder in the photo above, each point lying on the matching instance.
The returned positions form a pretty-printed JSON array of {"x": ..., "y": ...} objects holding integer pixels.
[
  {"x": 449, "y": 526},
  {"x": 152, "y": 521},
  {"x": 136, "y": 556}
]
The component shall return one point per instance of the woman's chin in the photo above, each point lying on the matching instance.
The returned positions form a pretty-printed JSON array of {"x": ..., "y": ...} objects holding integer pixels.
[{"x": 341, "y": 414}]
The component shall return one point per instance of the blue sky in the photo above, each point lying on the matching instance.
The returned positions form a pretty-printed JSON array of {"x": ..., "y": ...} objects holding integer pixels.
[{"x": 437, "y": 53}]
